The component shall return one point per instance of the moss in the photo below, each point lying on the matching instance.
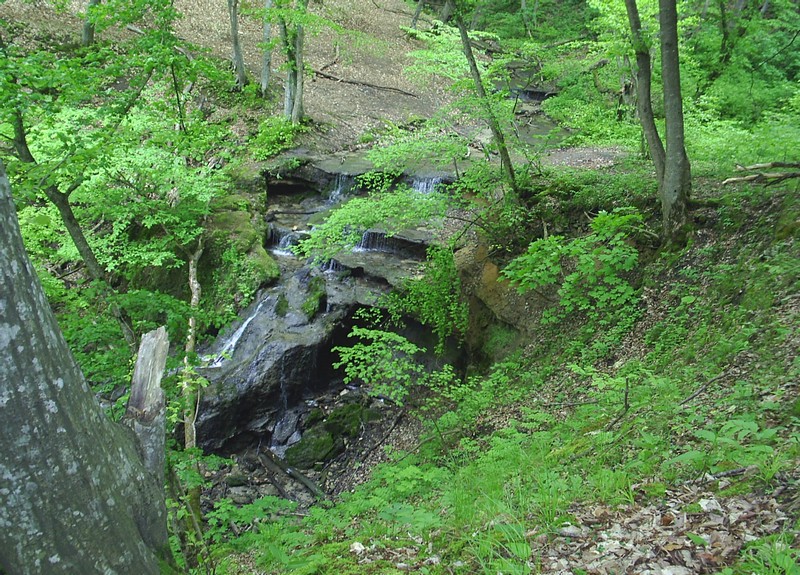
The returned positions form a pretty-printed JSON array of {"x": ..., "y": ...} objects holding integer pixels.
[
  {"x": 788, "y": 223},
  {"x": 265, "y": 268},
  {"x": 346, "y": 420},
  {"x": 317, "y": 444},
  {"x": 282, "y": 305},
  {"x": 315, "y": 298},
  {"x": 231, "y": 203},
  {"x": 232, "y": 228}
]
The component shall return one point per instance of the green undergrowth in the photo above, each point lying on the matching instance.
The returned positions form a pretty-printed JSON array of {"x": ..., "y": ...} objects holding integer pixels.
[{"x": 701, "y": 382}]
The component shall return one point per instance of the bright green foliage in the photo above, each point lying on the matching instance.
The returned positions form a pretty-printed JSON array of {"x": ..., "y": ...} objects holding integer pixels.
[
  {"x": 383, "y": 360},
  {"x": 392, "y": 211},
  {"x": 434, "y": 299},
  {"x": 590, "y": 270},
  {"x": 417, "y": 145},
  {"x": 275, "y": 134}
]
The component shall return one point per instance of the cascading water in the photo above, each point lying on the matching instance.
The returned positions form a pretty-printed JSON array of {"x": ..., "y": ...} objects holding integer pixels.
[
  {"x": 342, "y": 186},
  {"x": 230, "y": 345},
  {"x": 280, "y": 351},
  {"x": 426, "y": 185},
  {"x": 374, "y": 241}
]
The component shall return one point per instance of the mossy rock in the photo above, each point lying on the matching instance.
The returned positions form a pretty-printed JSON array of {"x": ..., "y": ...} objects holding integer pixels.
[
  {"x": 231, "y": 203},
  {"x": 282, "y": 305},
  {"x": 264, "y": 266},
  {"x": 314, "y": 416},
  {"x": 347, "y": 419},
  {"x": 232, "y": 228},
  {"x": 317, "y": 444},
  {"x": 316, "y": 296}
]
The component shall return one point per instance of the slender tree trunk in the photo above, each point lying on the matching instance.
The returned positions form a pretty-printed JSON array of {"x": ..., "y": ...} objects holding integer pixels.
[
  {"x": 76, "y": 496},
  {"x": 526, "y": 21},
  {"x": 447, "y": 11},
  {"x": 494, "y": 125},
  {"x": 61, "y": 201},
  {"x": 644, "y": 106},
  {"x": 417, "y": 12},
  {"x": 191, "y": 392},
  {"x": 238, "y": 58},
  {"x": 290, "y": 85},
  {"x": 21, "y": 140},
  {"x": 266, "y": 65},
  {"x": 677, "y": 184},
  {"x": 299, "y": 39},
  {"x": 87, "y": 35}
]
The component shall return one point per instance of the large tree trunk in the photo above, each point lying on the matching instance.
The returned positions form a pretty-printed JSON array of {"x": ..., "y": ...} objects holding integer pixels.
[
  {"x": 266, "y": 64},
  {"x": 238, "y": 58},
  {"x": 76, "y": 496},
  {"x": 677, "y": 184},
  {"x": 644, "y": 106},
  {"x": 494, "y": 125}
]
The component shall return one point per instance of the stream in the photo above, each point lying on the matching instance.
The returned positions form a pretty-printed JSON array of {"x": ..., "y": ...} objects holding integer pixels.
[{"x": 271, "y": 368}]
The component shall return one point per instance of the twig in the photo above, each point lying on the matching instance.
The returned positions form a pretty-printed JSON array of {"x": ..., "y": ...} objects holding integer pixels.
[
  {"x": 570, "y": 403},
  {"x": 708, "y": 478},
  {"x": 703, "y": 388},
  {"x": 367, "y": 84},
  {"x": 380, "y": 442}
]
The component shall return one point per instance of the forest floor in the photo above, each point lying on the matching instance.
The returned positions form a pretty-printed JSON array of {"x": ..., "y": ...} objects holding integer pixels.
[{"x": 359, "y": 79}]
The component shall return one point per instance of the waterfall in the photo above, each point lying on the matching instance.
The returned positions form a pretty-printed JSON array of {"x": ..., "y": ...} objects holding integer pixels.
[
  {"x": 282, "y": 241},
  {"x": 332, "y": 266},
  {"x": 425, "y": 185},
  {"x": 342, "y": 185},
  {"x": 230, "y": 345},
  {"x": 374, "y": 241}
]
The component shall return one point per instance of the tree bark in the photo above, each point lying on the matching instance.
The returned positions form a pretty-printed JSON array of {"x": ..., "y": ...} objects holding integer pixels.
[
  {"x": 290, "y": 85},
  {"x": 76, "y": 496},
  {"x": 644, "y": 106},
  {"x": 146, "y": 410},
  {"x": 238, "y": 58},
  {"x": 266, "y": 64},
  {"x": 494, "y": 125},
  {"x": 299, "y": 39},
  {"x": 677, "y": 184},
  {"x": 87, "y": 34},
  {"x": 417, "y": 12}
]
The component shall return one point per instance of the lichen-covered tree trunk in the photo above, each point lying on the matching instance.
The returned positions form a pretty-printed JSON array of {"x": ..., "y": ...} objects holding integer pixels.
[
  {"x": 677, "y": 184},
  {"x": 290, "y": 85},
  {"x": 75, "y": 496},
  {"x": 299, "y": 39}
]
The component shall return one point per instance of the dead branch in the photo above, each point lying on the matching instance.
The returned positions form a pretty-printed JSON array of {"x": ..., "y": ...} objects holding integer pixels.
[
  {"x": 766, "y": 178},
  {"x": 270, "y": 460},
  {"x": 322, "y": 74},
  {"x": 703, "y": 388}
]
